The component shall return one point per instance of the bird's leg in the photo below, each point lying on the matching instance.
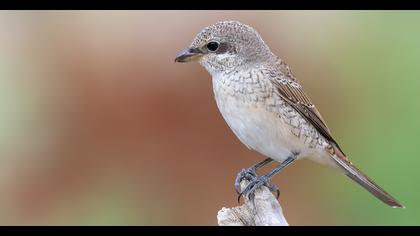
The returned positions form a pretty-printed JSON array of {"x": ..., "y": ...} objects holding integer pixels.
[
  {"x": 264, "y": 179},
  {"x": 249, "y": 173}
]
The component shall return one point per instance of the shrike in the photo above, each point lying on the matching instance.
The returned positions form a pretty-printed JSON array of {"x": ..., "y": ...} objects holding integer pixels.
[{"x": 266, "y": 107}]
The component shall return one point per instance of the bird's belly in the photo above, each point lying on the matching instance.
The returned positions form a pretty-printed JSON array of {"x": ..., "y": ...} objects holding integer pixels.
[{"x": 260, "y": 129}]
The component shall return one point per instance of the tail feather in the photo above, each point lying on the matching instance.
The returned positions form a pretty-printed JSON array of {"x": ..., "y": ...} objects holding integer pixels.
[{"x": 358, "y": 176}]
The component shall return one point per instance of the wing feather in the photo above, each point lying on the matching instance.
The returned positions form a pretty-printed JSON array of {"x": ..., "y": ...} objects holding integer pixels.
[{"x": 292, "y": 92}]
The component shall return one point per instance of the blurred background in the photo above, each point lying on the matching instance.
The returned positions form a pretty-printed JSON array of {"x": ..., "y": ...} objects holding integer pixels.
[{"x": 99, "y": 126}]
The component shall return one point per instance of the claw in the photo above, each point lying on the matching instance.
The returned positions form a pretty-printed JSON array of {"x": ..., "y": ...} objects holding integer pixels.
[
  {"x": 255, "y": 182},
  {"x": 248, "y": 174},
  {"x": 274, "y": 188},
  {"x": 239, "y": 198},
  {"x": 252, "y": 186}
]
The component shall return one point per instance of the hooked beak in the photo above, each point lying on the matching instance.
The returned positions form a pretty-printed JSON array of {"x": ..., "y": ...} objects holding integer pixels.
[{"x": 188, "y": 54}]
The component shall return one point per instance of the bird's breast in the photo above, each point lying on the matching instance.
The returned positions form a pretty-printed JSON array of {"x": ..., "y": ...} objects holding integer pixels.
[{"x": 246, "y": 109}]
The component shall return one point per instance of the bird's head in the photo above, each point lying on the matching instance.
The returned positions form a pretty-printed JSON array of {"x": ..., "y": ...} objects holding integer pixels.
[{"x": 226, "y": 46}]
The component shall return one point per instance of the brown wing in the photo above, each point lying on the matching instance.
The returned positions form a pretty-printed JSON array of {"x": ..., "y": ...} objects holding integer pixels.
[{"x": 294, "y": 94}]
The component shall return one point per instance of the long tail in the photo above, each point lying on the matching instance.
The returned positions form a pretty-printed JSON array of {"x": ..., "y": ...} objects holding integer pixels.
[{"x": 358, "y": 176}]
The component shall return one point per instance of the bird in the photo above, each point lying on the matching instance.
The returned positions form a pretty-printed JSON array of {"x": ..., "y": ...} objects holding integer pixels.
[{"x": 266, "y": 107}]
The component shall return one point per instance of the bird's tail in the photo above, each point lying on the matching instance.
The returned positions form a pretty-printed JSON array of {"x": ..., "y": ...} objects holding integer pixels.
[{"x": 358, "y": 176}]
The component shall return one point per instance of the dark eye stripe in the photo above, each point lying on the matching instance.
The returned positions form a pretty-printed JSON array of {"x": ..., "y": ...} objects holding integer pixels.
[{"x": 223, "y": 47}]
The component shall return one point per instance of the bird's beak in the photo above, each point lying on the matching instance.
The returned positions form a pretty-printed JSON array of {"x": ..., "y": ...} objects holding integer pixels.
[{"x": 188, "y": 54}]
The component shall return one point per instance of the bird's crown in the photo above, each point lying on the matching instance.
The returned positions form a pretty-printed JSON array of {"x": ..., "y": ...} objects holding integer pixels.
[{"x": 229, "y": 30}]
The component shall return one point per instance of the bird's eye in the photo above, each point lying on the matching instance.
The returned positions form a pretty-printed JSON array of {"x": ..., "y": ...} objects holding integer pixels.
[{"x": 212, "y": 46}]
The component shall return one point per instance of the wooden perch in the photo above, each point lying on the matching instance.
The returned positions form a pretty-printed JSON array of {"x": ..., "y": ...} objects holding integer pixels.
[{"x": 266, "y": 211}]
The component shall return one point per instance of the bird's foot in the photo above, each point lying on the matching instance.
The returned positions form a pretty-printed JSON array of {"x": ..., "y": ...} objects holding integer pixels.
[
  {"x": 255, "y": 182},
  {"x": 248, "y": 174}
]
